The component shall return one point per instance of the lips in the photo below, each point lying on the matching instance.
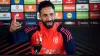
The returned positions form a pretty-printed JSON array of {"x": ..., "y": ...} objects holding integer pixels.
[{"x": 49, "y": 23}]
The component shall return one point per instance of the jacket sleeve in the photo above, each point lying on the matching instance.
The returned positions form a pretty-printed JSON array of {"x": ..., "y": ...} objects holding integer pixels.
[
  {"x": 31, "y": 30},
  {"x": 21, "y": 35},
  {"x": 70, "y": 47},
  {"x": 17, "y": 37},
  {"x": 68, "y": 41}
]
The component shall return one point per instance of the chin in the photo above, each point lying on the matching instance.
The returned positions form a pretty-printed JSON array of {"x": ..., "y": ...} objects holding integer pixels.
[{"x": 49, "y": 26}]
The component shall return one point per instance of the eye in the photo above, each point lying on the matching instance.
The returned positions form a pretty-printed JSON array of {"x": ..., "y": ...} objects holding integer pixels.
[
  {"x": 45, "y": 15},
  {"x": 51, "y": 14}
]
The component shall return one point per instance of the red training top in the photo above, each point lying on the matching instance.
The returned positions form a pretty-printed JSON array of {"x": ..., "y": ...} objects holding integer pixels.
[{"x": 52, "y": 41}]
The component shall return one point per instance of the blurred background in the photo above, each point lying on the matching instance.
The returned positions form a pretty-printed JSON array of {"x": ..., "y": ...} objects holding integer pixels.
[{"x": 81, "y": 17}]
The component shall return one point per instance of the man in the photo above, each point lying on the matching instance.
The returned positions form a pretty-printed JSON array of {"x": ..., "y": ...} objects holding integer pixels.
[{"x": 54, "y": 39}]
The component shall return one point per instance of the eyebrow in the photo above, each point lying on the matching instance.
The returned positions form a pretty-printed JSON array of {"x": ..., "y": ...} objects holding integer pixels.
[{"x": 47, "y": 14}]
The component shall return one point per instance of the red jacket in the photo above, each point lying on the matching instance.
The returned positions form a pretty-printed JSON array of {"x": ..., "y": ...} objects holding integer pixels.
[
  {"x": 52, "y": 41},
  {"x": 56, "y": 40}
]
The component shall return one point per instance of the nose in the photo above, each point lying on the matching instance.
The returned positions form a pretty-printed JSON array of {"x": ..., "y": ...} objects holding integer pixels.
[{"x": 49, "y": 17}]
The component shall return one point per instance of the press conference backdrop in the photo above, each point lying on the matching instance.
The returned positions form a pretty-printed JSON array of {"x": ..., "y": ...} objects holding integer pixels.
[{"x": 81, "y": 17}]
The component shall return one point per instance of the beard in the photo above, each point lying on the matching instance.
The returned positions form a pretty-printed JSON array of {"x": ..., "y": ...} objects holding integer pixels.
[{"x": 48, "y": 24}]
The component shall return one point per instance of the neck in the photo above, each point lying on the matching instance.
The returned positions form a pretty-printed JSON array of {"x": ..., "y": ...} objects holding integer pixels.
[{"x": 47, "y": 29}]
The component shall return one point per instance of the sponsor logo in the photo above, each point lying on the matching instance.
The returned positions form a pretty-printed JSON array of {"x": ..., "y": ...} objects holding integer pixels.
[
  {"x": 30, "y": 15},
  {"x": 21, "y": 2},
  {"x": 17, "y": 1},
  {"x": 5, "y": 16},
  {"x": 56, "y": 1},
  {"x": 19, "y": 16},
  {"x": 58, "y": 15},
  {"x": 38, "y": 1},
  {"x": 83, "y": 23},
  {"x": 82, "y": 7},
  {"x": 30, "y": 23},
  {"x": 69, "y": 23},
  {"x": 82, "y": 1},
  {"x": 69, "y": 15},
  {"x": 4, "y": 1},
  {"x": 30, "y": 8},
  {"x": 16, "y": 8},
  {"x": 69, "y": 7},
  {"x": 68, "y": 1},
  {"x": 94, "y": 7},
  {"x": 94, "y": 22},
  {"x": 4, "y": 8},
  {"x": 29, "y": 1},
  {"x": 82, "y": 15},
  {"x": 94, "y": 1},
  {"x": 4, "y": 23},
  {"x": 1, "y": 23},
  {"x": 94, "y": 15},
  {"x": 58, "y": 7},
  {"x": 50, "y": 51}
]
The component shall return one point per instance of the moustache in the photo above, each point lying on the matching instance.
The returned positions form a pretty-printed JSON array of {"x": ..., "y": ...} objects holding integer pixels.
[{"x": 49, "y": 21}]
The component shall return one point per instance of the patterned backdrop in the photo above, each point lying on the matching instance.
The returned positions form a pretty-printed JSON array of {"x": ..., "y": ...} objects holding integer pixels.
[{"x": 81, "y": 16}]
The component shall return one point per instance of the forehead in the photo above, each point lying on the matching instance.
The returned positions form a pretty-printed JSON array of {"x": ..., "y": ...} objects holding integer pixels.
[{"x": 47, "y": 10}]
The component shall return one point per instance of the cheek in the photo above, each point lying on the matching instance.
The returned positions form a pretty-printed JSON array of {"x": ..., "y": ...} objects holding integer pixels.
[
  {"x": 53, "y": 17},
  {"x": 44, "y": 19}
]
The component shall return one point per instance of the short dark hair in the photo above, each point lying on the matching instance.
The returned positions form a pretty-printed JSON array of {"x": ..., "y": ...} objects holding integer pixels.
[{"x": 44, "y": 4}]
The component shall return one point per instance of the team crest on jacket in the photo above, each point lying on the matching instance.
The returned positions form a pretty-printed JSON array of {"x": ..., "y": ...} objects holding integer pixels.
[{"x": 55, "y": 39}]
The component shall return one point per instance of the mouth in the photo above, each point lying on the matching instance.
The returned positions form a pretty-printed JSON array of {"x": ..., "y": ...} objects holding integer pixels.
[{"x": 49, "y": 23}]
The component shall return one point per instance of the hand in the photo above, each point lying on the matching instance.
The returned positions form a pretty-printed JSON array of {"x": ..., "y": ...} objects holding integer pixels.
[
  {"x": 38, "y": 45},
  {"x": 14, "y": 25}
]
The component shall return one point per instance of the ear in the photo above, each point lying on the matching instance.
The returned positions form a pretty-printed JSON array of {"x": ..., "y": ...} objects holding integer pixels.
[{"x": 39, "y": 16}]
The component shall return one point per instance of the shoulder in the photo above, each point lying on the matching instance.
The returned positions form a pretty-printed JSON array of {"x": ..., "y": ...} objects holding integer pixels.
[
  {"x": 65, "y": 32},
  {"x": 31, "y": 28}
]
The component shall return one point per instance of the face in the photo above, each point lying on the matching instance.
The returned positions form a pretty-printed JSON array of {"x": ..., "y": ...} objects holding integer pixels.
[{"x": 47, "y": 16}]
